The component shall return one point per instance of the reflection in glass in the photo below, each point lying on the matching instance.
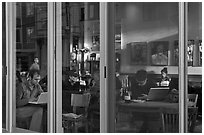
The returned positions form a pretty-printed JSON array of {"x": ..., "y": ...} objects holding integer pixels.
[
  {"x": 148, "y": 32},
  {"x": 159, "y": 52},
  {"x": 31, "y": 67}
]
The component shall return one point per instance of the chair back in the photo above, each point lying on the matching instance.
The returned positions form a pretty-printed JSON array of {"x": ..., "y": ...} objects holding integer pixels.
[
  {"x": 192, "y": 115},
  {"x": 170, "y": 120},
  {"x": 80, "y": 100},
  {"x": 193, "y": 98}
]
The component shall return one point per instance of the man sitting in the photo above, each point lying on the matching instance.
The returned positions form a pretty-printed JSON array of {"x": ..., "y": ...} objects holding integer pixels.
[{"x": 27, "y": 91}]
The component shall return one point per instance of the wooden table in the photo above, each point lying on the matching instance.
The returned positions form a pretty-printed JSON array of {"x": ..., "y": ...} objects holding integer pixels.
[{"x": 146, "y": 106}]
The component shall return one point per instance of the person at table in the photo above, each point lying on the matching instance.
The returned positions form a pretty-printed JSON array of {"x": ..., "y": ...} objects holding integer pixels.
[
  {"x": 95, "y": 88},
  {"x": 165, "y": 79},
  {"x": 141, "y": 85},
  {"x": 25, "y": 92}
]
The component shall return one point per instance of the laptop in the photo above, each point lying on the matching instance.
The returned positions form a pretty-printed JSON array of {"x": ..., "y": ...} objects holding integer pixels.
[
  {"x": 42, "y": 99},
  {"x": 158, "y": 94}
]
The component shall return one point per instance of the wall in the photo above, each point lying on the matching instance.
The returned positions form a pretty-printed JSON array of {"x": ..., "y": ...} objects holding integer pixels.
[{"x": 195, "y": 20}]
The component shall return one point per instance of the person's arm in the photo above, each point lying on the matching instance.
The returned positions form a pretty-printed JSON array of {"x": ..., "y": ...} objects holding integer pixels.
[
  {"x": 20, "y": 100},
  {"x": 37, "y": 90}
]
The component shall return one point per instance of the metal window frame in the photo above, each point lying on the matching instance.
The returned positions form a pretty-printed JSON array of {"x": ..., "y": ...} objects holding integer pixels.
[
  {"x": 58, "y": 89},
  {"x": 51, "y": 66},
  {"x": 10, "y": 63},
  {"x": 183, "y": 68},
  {"x": 106, "y": 122},
  {"x": 103, "y": 65}
]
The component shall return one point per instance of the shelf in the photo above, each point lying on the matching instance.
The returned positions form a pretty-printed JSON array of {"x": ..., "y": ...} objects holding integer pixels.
[{"x": 194, "y": 70}]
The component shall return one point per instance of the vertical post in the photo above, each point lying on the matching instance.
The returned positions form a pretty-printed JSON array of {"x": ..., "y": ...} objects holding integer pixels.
[
  {"x": 59, "y": 68},
  {"x": 110, "y": 57},
  {"x": 51, "y": 67},
  {"x": 103, "y": 88},
  {"x": 11, "y": 64},
  {"x": 183, "y": 90},
  {"x": 107, "y": 67}
]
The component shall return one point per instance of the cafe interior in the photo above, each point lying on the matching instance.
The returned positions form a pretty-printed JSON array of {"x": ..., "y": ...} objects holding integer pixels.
[{"x": 147, "y": 74}]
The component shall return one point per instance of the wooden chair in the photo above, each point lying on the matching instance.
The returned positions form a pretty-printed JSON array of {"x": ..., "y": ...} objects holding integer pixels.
[
  {"x": 170, "y": 120},
  {"x": 192, "y": 115},
  {"x": 70, "y": 120},
  {"x": 192, "y": 98}
]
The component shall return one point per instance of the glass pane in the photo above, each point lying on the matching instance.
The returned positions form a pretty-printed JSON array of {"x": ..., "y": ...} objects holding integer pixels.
[
  {"x": 3, "y": 66},
  {"x": 146, "y": 48},
  {"x": 31, "y": 66},
  {"x": 80, "y": 67},
  {"x": 194, "y": 57}
]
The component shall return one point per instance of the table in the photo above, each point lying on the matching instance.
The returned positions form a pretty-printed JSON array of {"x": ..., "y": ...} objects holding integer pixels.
[{"x": 146, "y": 106}]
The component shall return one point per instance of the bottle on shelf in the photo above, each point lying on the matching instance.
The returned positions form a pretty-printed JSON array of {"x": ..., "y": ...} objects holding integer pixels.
[
  {"x": 200, "y": 52},
  {"x": 190, "y": 52}
]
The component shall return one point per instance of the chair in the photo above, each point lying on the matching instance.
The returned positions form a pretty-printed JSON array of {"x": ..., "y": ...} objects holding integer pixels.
[
  {"x": 192, "y": 98},
  {"x": 192, "y": 115},
  {"x": 70, "y": 120},
  {"x": 170, "y": 120}
]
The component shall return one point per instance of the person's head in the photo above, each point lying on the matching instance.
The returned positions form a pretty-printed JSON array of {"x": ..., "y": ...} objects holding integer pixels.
[
  {"x": 23, "y": 76},
  {"x": 36, "y": 60},
  {"x": 141, "y": 77},
  {"x": 160, "y": 49},
  {"x": 34, "y": 76},
  {"x": 164, "y": 72}
]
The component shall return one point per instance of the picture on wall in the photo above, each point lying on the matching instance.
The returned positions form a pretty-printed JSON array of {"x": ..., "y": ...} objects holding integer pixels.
[
  {"x": 159, "y": 52},
  {"x": 138, "y": 53}
]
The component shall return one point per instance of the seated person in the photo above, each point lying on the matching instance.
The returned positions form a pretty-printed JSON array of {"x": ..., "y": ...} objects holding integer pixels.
[
  {"x": 71, "y": 81},
  {"x": 26, "y": 91},
  {"x": 141, "y": 85},
  {"x": 95, "y": 90},
  {"x": 43, "y": 83},
  {"x": 165, "y": 79}
]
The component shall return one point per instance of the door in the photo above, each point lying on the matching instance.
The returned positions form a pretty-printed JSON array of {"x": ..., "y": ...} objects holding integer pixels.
[
  {"x": 77, "y": 67},
  {"x": 148, "y": 39},
  {"x": 28, "y": 73}
]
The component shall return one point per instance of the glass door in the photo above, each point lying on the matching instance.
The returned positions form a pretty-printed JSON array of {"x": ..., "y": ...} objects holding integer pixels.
[
  {"x": 78, "y": 67},
  {"x": 31, "y": 66},
  {"x": 147, "y": 67},
  {"x": 26, "y": 39}
]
